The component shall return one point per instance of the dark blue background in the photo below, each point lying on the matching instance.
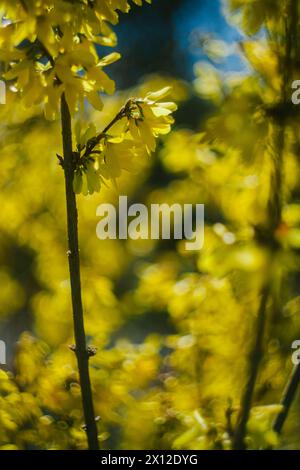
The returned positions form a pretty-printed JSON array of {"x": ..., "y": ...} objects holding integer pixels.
[{"x": 157, "y": 38}]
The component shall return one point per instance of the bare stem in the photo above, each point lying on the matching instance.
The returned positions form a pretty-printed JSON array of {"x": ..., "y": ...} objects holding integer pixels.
[
  {"x": 254, "y": 362},
  {"x": 287, "y": 398},
  {"x": 74, "y": 268}
]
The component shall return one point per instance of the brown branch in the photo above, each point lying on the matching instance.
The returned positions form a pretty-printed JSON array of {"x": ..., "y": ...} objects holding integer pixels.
[{"x": 74, "y": 268}]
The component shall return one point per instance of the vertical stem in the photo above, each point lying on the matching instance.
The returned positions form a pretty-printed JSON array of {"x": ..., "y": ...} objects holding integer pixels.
[
  {"x": 254, "y": 362},
  {"x": 74, "y": 268},
  {"x": 287, "y": 398}
]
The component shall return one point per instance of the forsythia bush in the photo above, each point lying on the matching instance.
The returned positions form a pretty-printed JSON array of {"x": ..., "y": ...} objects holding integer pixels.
[
  {"x": 180, "y": 382},
  {"x": 49, "y": 49}
]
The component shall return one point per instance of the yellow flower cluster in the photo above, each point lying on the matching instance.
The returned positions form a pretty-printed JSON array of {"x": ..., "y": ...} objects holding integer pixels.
[
  {"x": 148, "y": 118},
  {"x": 101, "y": 157},
  {"x": 49, "y": 48}
]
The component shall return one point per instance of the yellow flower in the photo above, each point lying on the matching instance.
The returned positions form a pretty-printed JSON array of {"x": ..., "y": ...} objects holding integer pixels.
[
  {"x": 148, "y": 118},
  {"x": 101, "y": 156},
  {"x": 87, "y": 181},
  {"x": 109, "y": 158},
  {"x": 119, "y": 154}
]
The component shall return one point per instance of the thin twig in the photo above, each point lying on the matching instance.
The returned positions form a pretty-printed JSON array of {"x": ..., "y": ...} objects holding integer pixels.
[{"x": 94, "y": 141}]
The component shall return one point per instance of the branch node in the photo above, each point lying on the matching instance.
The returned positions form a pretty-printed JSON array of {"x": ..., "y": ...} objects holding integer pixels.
[
  {"x": 91, "y": 351},
  {"x": 71, "y": 253},
  {"x": 84, "y": 426},
  {"x": 60, "y": 160}
]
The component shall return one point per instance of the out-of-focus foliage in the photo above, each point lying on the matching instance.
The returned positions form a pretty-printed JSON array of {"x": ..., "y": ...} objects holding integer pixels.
[{"x": 178, "y": 384}]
